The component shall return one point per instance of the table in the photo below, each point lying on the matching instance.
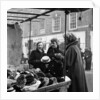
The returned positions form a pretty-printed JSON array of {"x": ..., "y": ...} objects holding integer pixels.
[{"x": 62, "y": 86}]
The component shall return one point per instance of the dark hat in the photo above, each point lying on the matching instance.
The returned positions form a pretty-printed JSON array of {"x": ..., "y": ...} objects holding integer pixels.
[
  {"x": 44, "y": 81},
  {"x": 48, "y": 75},
  {"x": 21, "y": 81},
  {"x": 40, "y": 74},
  {"x": 29, "y": 79},
  {"x": 60, "y": 79}
]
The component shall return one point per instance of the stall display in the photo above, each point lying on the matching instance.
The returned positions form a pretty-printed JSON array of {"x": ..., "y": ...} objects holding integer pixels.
[
  {"x": 24, "y": 79},
  {"x": 33, "y": 80}
]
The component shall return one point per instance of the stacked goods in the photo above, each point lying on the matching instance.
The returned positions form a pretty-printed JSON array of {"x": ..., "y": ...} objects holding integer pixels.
[{"x": 22, "y": 80}]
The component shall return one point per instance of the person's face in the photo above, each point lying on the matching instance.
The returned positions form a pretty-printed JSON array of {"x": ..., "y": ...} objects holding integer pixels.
[
  {"x": 54, "y": 44},
  {"x": 40, "y": 46}
]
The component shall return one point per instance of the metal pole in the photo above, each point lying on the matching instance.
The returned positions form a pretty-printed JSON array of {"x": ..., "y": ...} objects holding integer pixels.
[
  {"x": 64, "y": 69},
  {"x": 30, "y": 38},
  {"x": 29, "y": 41}
]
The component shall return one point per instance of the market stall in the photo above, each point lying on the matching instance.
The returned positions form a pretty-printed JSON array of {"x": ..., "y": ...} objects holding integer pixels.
[{"x": 24, "y": 79}]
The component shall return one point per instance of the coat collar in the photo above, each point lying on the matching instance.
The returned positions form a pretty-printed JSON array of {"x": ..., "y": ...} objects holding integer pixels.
[
  {"x": 39, "y": 51},
  {"x": 72, "y": 43}
]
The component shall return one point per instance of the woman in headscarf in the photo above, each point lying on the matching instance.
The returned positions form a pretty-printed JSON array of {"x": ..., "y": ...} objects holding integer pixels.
[
  {"x": 74, "y": 65},
  {"x": 56, "y": 56}
]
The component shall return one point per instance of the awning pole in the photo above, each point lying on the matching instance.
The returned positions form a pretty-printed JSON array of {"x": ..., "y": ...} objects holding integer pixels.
[
  {"x": 30, "y": 39},
  {"x": 64, "y": 69}
]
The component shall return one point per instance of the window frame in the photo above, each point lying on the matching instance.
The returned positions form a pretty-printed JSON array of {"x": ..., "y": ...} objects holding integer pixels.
[
  {"x": 70, "y": 22},
  {"x": 53, "y": 24}
]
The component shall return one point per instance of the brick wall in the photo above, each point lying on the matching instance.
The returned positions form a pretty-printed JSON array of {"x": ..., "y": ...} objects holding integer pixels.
[
  {"x": 49, "y": 22},
  {"x": 86, "y": 19}
]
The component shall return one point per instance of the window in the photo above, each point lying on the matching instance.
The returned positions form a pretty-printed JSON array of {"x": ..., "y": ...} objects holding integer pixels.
[
  {"x": 42, "y": 26},
  {"x": 72, "y": 21},
  {"x": 56, "y": 24}
]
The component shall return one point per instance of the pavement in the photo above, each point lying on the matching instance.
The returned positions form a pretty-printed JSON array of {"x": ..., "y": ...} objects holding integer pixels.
[{"x": 89, "y": 80}]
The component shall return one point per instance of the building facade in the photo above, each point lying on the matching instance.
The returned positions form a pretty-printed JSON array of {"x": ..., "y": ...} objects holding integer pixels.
[{"x": 53, "y": 26}]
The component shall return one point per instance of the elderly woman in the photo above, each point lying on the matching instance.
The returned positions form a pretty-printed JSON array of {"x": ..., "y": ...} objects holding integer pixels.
[
  {"x": 35, "y": 57},
  {"x": 74, "y": 65},
  {"x": 56, "y": 56}
]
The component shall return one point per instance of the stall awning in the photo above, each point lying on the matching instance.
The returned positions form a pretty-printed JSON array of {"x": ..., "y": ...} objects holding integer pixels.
[{"x": 21, "y": 15}]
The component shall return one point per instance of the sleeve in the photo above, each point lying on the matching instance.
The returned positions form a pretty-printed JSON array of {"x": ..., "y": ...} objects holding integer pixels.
[
  {"x": 49, "y": 53},
  {"x": 32, "y": 59},
  {"x": 62, "y": 56}
]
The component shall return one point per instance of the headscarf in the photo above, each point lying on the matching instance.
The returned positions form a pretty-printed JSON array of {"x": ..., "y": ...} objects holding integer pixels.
[{"x": 70, "y": 38}]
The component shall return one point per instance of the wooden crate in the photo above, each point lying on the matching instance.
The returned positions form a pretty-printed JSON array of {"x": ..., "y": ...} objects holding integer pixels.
[{"x": 63, "y": 86}]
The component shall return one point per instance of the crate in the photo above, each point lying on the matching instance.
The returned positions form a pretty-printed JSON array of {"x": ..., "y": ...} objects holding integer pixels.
[{"x": 62, "y": 87}]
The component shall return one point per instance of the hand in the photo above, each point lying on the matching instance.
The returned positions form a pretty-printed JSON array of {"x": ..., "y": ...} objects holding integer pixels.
[
  {"x": 41, "y": 60},
  {"x": 56, "y": 54},
  {"x": 37, "y": 69},
  {"x": 59, "y": 55}
]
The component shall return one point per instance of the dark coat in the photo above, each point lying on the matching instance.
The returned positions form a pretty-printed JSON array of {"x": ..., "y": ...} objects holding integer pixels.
[
  {"x": 75, "y": 69},
  {"x": 88, "y": 59},
  {"x": 88, "y": 55},
  {"x": 56, "y": 65},
  {"x": 35, "y": 58}
]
